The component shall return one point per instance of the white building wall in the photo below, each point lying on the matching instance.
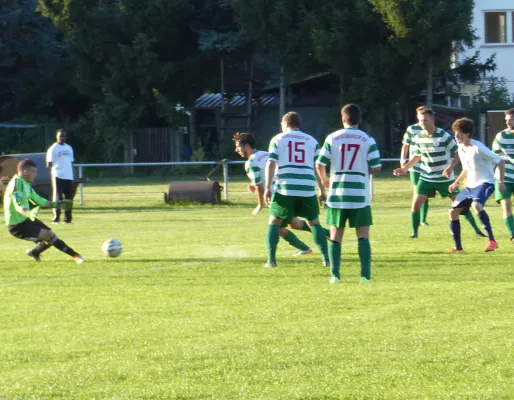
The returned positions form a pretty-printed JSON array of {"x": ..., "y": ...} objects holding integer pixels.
[{"x": 504, "y": 51}]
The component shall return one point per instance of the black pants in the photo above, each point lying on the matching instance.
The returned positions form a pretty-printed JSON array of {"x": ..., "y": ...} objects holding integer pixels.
[{"x": 63, "y": 189}]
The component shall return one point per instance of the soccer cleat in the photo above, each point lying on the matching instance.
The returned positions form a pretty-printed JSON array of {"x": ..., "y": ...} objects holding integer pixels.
[
  {"x": 302, "y": 252},
  {"x": 424, "y": 223},
  {"x": 455, "y": 250},
  {"x": 512, "y": 239},
  {"x": 493, "y": 245},
  {"x": 272, "y": 264},
  {"x": 55, "y": 222},
  {"x": 365, "y": 280},
  {"x": 326, "y": 263},
  {"x": 335, "y": 280},
  {"x": 414, "y": 236},
  {"x": 480, "y": 234},
  {"x": 78, "y": 259},
  {"x": 36, "y": 258}
]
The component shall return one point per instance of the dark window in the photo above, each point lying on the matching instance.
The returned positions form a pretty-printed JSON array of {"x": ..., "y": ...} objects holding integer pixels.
[{"x": 496, "y": 27}]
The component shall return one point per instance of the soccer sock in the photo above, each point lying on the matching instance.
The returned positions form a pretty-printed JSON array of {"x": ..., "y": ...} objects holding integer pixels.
[
  {"x": 59, "y": 244},
  {"x": 365, "y": 257},
  {"x": 319, "y": 234},
  {"x": 414, "y": 220},
  {"x": 484, "y": 218},
  {"x": 272, "y": 238},
  {"x": 471, "y": 221},
  {"x": 509, "y": 224},
  {"x": 455, "y": 230},
  {"x": 305, "y": 227},
  {"x": 293, "y": 240},
  {"x": 41, "y": 246},
  {"x": 424, "y": 211},
  {"x": 334, "y": 255}
]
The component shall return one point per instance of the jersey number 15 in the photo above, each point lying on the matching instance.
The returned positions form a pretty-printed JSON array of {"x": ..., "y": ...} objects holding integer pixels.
[{"x": 296, "y": 151}]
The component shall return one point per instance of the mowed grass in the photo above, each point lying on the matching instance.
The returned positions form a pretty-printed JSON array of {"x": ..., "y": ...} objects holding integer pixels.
[{"x": 188, "y": 312}]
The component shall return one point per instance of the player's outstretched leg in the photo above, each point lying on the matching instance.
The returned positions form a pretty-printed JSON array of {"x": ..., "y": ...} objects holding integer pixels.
[
  {"x": 272, "y": 238},
  {"x": 35, "y": 253},
  {"x": 471, "y": 220},
  {"x": 302, "y": 225},
  {"x": 293, "y": 240},
  {"x": 319, "y": 235},
  {"x": 59, "y": 244},
  {"x": 455, "y": 230},
  {"x": 486, "y": 223}
]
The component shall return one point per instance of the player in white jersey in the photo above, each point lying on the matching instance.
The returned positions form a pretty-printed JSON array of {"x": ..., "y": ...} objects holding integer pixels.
[
  {"x": 503, "y": 144},
  {"x": 477, "y": 168},
  {"x": 352, "y": 155},
  {"x": 254, "y": 167},
  {"x": 294, "y": 153},
  {"x": 415, "y": 171}
]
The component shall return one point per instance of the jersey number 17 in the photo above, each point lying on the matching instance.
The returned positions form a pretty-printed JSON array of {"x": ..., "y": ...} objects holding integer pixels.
[{"x": 348, "y": 155}]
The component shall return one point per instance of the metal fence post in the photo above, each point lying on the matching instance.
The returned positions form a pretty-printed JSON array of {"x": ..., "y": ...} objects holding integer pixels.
[
  {"x": 371, "y": 187},
  {"x": 81, "y": 185},
  {"x": 225, "y": 180}
]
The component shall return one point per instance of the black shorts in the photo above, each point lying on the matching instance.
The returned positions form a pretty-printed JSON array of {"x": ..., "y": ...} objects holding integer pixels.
[{"x": 27, "y": 230}]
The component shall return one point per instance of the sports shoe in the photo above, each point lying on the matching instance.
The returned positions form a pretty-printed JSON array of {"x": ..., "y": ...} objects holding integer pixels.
[
  {"x": 31, "y": 254},
  {"x": 326, "y": 263},
  {"x": 512, "y": 239},
  {"x": 455, "y": 250},
  {"x": 480, "y": 234},
  {"x": 272, "y": 264},
  {"x": 424, "y": 223},
  {"x": 335, "y": 280},
  {"x": 78, "y": 259},
  {"x": 414, "y": 236},
  {"x": 55, "y": 222},
  {"x": 302, "y": 252},
  {"x": 364, "y": 280},
  {"x": 68, "y": 222},
  {"x": 493, "y": 245}
]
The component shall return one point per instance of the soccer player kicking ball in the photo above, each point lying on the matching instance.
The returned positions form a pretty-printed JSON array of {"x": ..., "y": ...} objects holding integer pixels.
[
  {"x": 254, "y": 167},
  {"x": 352, "y": 155},
  {"x": 477, "y": 168},
  {"x": 503, "y": 144},
  {"x": 435, "y": 148},
  {"x": 295, "y": 196},
  {"x": 21, "y": 219}
]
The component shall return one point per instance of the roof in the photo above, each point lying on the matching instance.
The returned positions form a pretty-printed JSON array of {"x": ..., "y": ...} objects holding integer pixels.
[{"x": 213, "y": 100}]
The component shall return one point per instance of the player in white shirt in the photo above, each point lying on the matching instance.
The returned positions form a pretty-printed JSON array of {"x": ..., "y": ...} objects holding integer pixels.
[
  {"x": 254, "y": 167},
  {"x": 59, "y": 158},
  {"x": 477, "y": 168}
]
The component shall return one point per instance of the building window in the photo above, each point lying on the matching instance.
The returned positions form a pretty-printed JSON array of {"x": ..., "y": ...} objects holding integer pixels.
[{"x": 496, "y": 27}]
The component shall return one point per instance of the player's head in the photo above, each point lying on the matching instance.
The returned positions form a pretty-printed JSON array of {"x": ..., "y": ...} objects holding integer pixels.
[
  {"x": 291, "y": 121},
  {"x": 463, "y": 128},
  {"x": 351, "y": 115},
  {"x": 61, "y": 136},
  {"x": 509, "y": 118},
  {"x": 27, "y": 169},
  {"x": 245, "y": 144},
  {"x": 426, "y": 117}
]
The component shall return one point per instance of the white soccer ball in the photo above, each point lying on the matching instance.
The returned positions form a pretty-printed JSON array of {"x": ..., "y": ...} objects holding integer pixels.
[{"x": 112, "y": 248}]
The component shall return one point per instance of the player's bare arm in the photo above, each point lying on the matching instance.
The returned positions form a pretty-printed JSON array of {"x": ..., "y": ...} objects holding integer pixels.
[
  {"x": 404, "y": 155},
  {"x": 501, "y": 169},
  {"x": 403, "y": 170},
  {"x": 321, "y": 171},
  {"x": 270, "y": 173},
  {"x": 375, "y": 170},
  {"x": 457, "y": 181},
  {"x": 449, "y": 169},
  {"x": 259, "y": 191}
]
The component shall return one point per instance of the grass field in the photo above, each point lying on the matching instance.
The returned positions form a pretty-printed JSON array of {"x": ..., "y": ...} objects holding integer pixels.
[{"x": 188, "y": 312}]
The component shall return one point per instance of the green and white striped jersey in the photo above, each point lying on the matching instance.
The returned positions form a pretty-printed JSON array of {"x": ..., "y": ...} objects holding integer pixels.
[
  {"x": 295, "y": 153},
  {"x": 436, "y": 153},
  {"x": 408, "y": 138},
  {"x": 255, "y": 166},
  {"x": 351, "y": 153},
  {"x": 504, "y": 144}
]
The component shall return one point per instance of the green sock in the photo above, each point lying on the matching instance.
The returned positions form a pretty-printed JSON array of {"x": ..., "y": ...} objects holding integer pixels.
[
  {"x": 424, "y": 211},
  {"x": 272, "y": 238},
  {"x": 334, "y": 254},
  {"x": 365, "y": 257},
  {"x": 414, "y": 220},
  {"x": 471, "y": 220},
  {"x": 509, "y": 224},
  {"x": 319, "y": 234},
  {"x": 293, "y": 240},
  {"x": 305, "y": 227}
]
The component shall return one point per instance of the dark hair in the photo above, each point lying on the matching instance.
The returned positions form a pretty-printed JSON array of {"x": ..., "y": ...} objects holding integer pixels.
[
  {"x": 464, "y": 125},
  {"x": 244, "y": 138},
  {"x": 61, "y": 131},
  {"x": 510, "y": 111},
  {"x": 425, "y": 110},
  {"x": 352, "y": 114},
  {"x": 292, "y": 119},
  {"x": 24, "y": 164}
]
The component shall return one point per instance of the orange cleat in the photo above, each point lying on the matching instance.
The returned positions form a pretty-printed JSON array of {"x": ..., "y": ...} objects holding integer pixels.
[{"x": 493, "y": 245}]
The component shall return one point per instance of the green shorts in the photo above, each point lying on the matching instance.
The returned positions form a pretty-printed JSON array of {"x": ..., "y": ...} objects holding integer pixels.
[
  {"x": 288, "y": 207},
  {"x": 414, "y": 177},
  {"x": 509, "y": 189},
  {"x": 429, "y": 188},
  {"x": 356, "y": 217}
]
